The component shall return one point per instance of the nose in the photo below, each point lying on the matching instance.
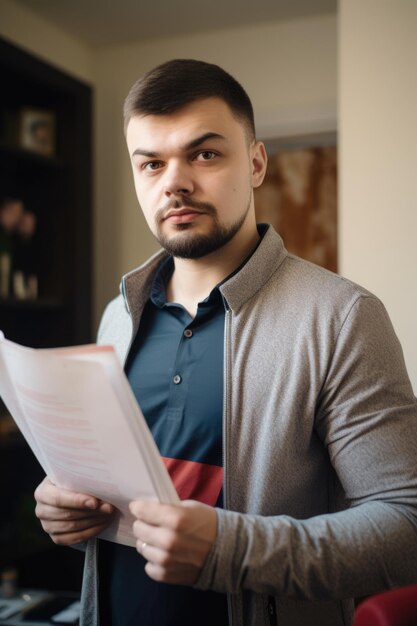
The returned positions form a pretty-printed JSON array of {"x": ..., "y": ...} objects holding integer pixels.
[{"x": 178, "y": 180}]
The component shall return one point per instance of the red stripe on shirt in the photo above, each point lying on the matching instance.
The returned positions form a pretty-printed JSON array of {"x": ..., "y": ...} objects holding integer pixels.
[{"x": 195, "y": 481}]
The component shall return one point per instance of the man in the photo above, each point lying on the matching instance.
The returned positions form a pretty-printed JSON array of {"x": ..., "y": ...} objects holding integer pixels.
[{"x": 277, "y": 388}]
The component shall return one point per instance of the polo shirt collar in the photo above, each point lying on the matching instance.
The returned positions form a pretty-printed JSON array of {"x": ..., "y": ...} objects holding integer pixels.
[{"x": 160, "y": 282}]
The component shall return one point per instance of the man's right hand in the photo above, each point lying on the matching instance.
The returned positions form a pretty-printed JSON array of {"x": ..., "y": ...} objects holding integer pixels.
[{"x": 70, "y": 517}]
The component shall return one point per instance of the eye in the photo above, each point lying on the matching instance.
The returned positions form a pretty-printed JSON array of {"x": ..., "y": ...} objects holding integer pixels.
[
  {"x": 151, "y": 166},
  {"x": 206, "y": 155}
]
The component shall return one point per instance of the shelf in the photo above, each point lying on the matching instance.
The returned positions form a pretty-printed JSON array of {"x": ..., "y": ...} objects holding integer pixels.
[
  {"x": 29, "y": 156},
  {"x": 57, "y": 189},
  {"x": 39, "y": 304}
]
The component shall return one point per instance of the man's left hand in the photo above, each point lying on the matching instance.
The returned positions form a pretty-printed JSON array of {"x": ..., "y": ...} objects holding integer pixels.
[{"x": 174, "y": 539}]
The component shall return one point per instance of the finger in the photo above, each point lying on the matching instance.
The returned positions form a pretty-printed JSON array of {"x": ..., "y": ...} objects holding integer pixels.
[
  {"x": 64, "y": 527},
  {"x": 160, "y": 557},
  {"x": 51, "y": 495},
  {"x": 158, "y": 564},
  {"x": 152, "y": 553},
  {"x": 156, "y": 513},
  {"x": 47, "y": 512},
  {"x": 162, "y": 538},
  {"x": 53, "y": 512},
  {"x": 156, "y": 572},
  {"x": 80, "y": 536},
  {"x": 179, "y": 575}
]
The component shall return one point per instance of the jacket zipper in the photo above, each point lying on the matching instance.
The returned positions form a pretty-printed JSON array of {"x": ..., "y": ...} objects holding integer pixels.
[
  {"x": 271, "y": 606},
  {"x": 226, "y": 404}
]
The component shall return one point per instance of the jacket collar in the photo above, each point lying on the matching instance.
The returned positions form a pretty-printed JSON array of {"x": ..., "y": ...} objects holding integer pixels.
[{"x": 259, "y": 268}]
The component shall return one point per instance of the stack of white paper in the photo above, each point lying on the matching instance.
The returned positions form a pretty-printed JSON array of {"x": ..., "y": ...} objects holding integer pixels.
[{"x": 78, "y": 413}]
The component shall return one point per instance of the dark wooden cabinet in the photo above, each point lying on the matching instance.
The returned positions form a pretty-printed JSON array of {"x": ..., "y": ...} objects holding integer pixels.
[{"x": 56, "y": 186}]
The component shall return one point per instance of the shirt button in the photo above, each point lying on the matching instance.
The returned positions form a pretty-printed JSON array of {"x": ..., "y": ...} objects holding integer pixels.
[
  {"x": 177, "y": 379},
  {"x": 188, "y": 333}
]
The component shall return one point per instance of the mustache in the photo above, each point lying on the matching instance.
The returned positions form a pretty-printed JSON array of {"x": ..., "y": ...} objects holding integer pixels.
[{"x": 181, "y": 202}]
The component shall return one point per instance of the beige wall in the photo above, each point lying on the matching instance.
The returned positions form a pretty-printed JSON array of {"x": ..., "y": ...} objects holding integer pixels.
[
  {"x": 378, "y": 157},
  {"x": 27, "y": 30}
]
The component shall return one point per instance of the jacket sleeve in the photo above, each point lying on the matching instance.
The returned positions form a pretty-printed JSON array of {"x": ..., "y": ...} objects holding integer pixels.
[{"x": 366, "y": 417}]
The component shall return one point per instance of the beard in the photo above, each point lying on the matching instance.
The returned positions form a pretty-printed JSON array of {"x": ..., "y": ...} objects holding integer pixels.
[{"x": 189, "y": 245}]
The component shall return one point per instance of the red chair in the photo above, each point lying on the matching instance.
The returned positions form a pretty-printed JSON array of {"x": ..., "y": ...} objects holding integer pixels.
[{"x": 391, "y": 608}]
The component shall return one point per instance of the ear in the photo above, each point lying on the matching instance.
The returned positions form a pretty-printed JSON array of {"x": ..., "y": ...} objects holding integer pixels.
[{"x": 259, "y": 163}]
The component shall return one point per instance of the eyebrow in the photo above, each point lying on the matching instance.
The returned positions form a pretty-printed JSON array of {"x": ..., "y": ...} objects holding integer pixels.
[{"x": 188, "y": 146}]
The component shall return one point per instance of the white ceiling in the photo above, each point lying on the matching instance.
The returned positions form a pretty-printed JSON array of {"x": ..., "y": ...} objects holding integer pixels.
[{"x": 101, "y": 23}]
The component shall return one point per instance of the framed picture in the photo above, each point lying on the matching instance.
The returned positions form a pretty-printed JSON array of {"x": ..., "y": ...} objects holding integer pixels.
[
  {"x": 299, "y": 196},
  {"x": 37, "y": 131}
]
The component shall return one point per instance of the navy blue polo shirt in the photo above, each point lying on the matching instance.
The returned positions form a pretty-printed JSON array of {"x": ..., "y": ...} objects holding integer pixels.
[{"x": 175, "y": 368}]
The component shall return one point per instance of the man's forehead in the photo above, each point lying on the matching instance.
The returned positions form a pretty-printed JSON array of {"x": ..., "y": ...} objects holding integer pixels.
[{"x": 211, "y": 116}]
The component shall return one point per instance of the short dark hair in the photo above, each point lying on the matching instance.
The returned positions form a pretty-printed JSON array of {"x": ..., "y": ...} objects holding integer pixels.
[{"x": 173, "y": 84}]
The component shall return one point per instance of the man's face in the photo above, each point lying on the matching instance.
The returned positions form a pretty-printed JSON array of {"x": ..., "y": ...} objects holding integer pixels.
[{"x": 194, "y": 172}]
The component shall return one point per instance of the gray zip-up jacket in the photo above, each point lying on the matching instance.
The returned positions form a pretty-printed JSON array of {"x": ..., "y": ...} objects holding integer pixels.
[{"x": 320, "y": 444}]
